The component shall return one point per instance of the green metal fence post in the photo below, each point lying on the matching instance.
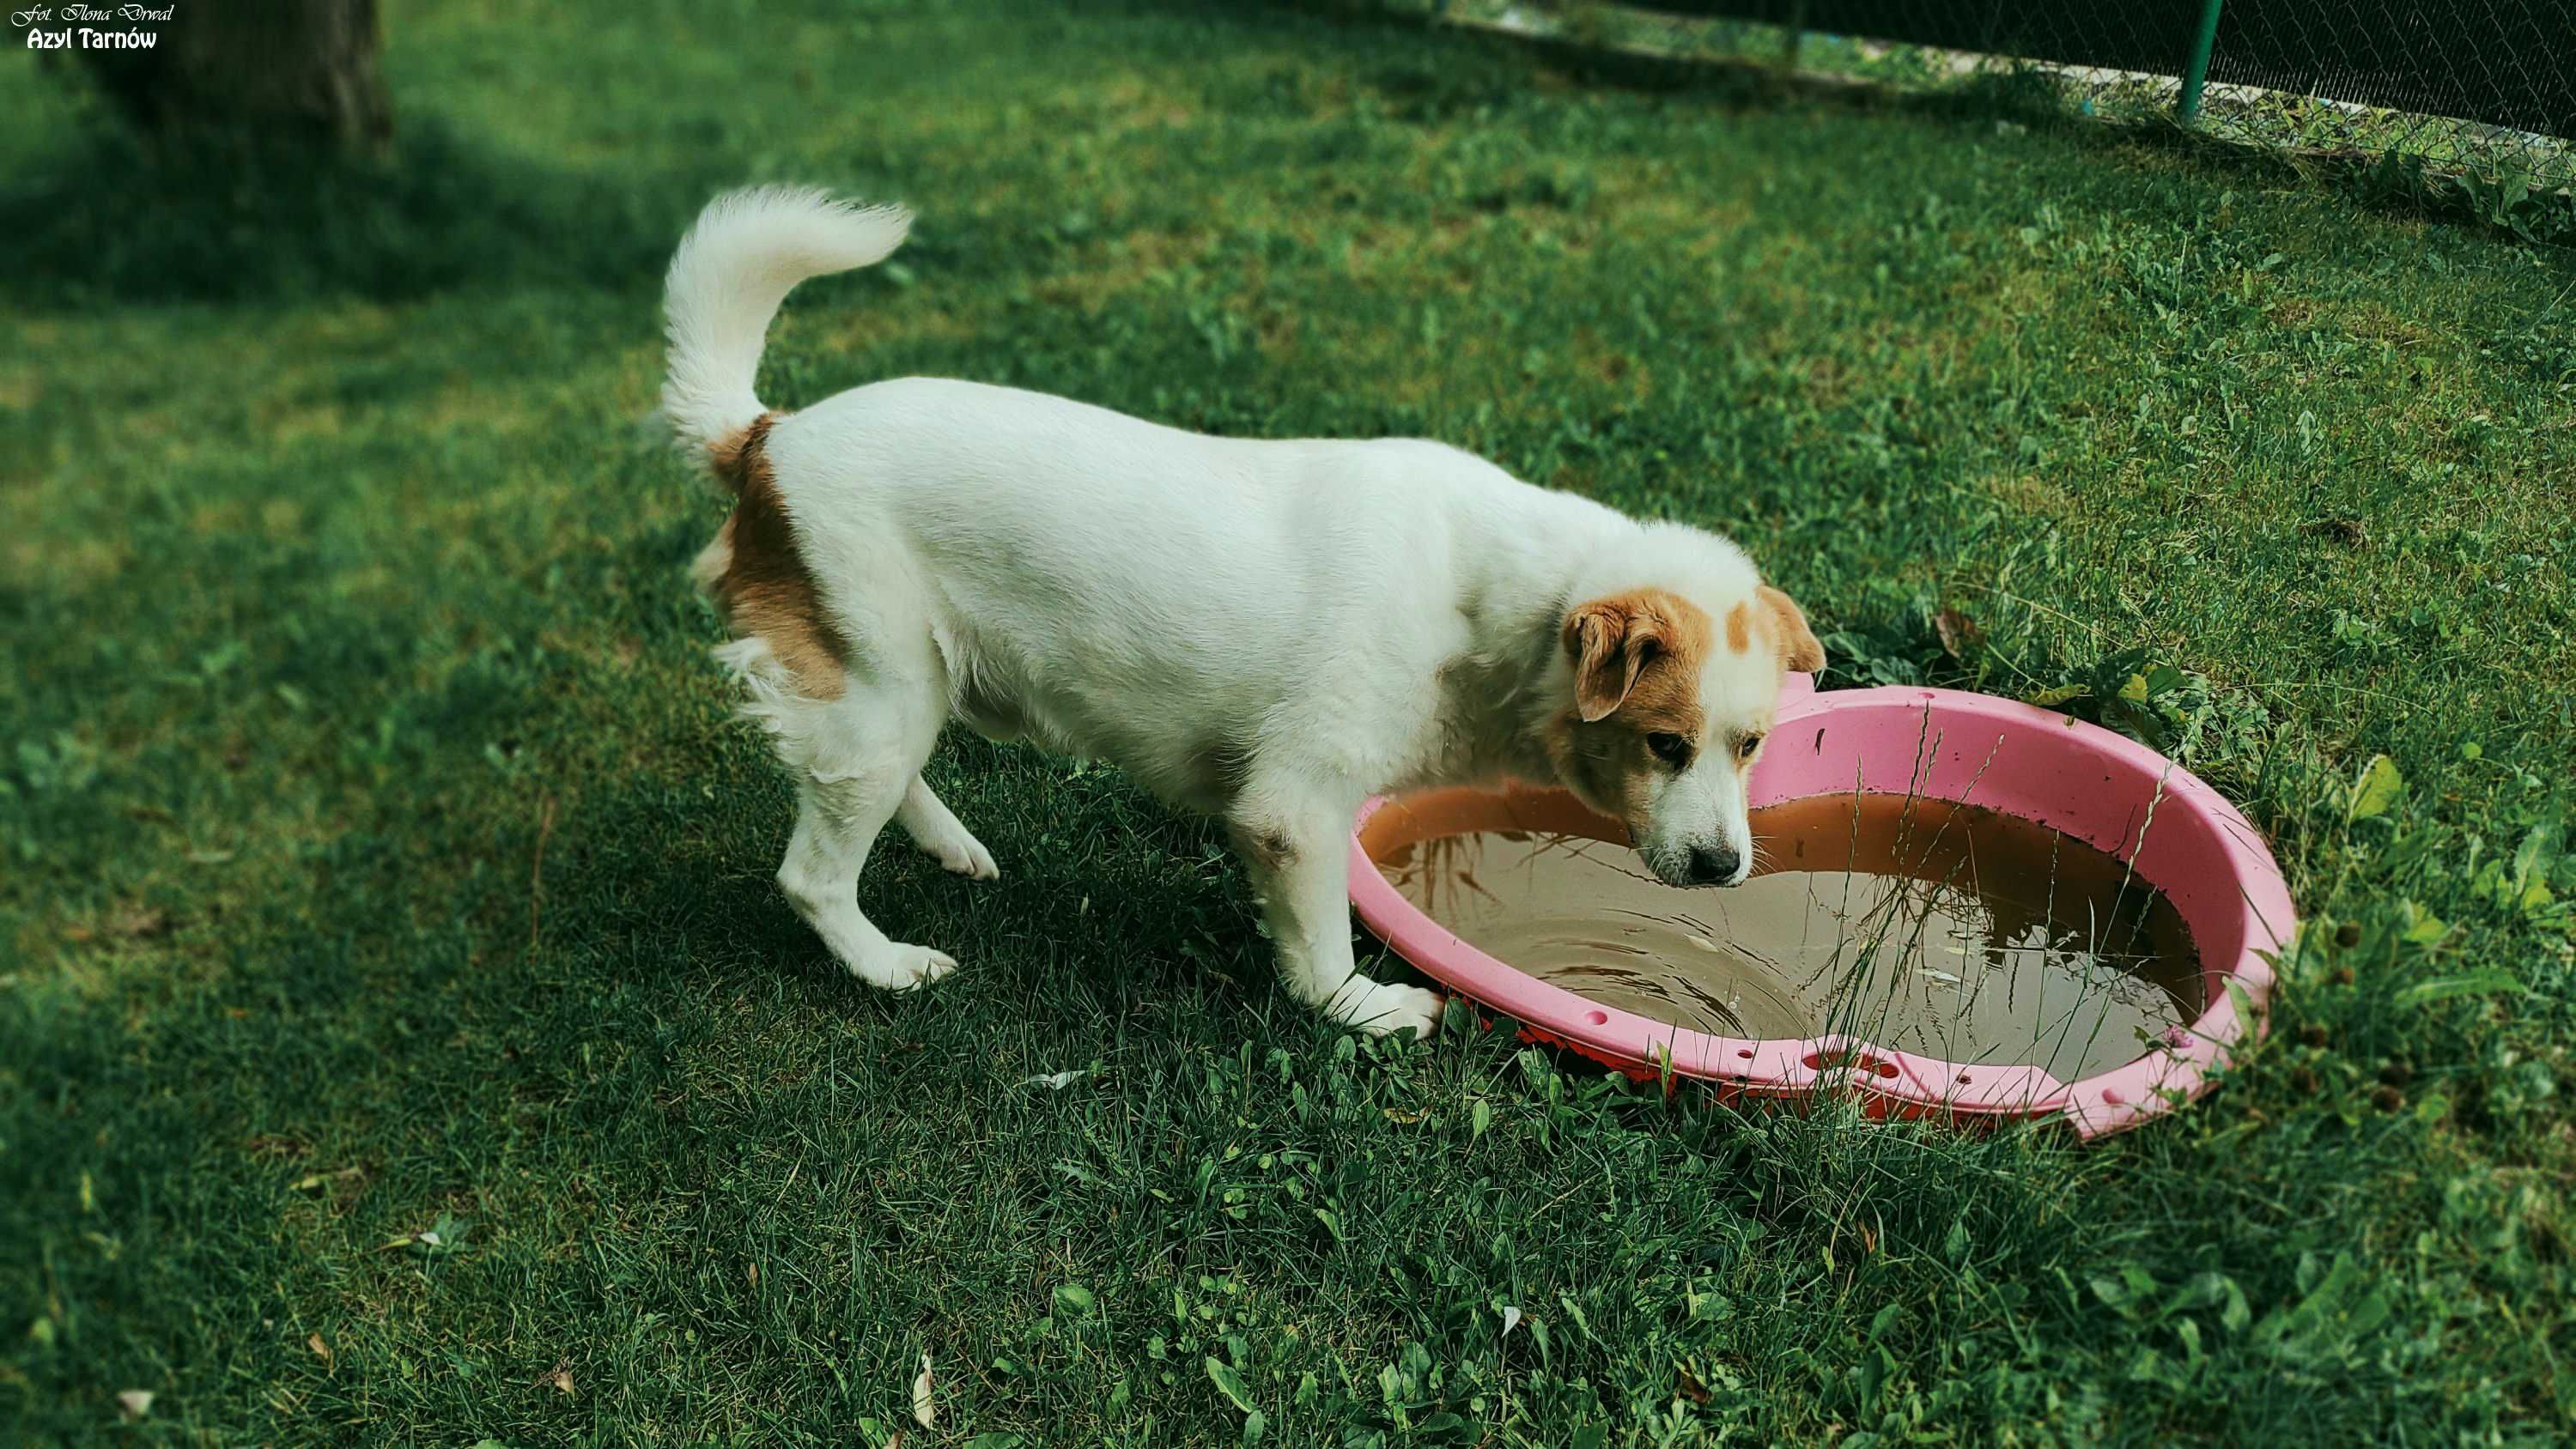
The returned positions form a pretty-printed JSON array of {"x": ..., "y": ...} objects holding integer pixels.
[{"x": 2198, "y": 75}]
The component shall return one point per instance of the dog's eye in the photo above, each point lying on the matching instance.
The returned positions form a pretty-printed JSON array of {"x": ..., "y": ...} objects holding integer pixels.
[
  {"x": 1745, "y": 747},
  {"x": 1673, "y": 750}
]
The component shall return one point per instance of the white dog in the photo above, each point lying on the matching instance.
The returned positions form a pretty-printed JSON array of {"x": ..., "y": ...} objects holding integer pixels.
[{"x": 1268, "y": 632}]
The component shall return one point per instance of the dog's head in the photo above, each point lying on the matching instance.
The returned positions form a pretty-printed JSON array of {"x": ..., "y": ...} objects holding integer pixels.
[{"x": 1672, "y": 698}]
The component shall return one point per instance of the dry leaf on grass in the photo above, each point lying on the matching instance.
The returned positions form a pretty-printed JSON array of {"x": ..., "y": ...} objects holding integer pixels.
[
  {"x": 1056, "y": 1081},
  {"x": 1958, "y": 632},
  {"x": 135, "y": 1403},
  {"x": 558, "y": 1378},
  {"x": 320, "y": 1349},
  {"x": 925, "y": 1410},
  {"x": 140, "y": 923},
  {"x": 437, "y": 1240}
]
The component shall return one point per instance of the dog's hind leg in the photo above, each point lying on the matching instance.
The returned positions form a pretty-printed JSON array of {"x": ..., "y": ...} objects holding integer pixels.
[
  {"x": 941, "y": 836},
  {"x": 857, "y": 759},
  {"x": 1297, "y": 858},
  {"x": 836, "y": 822}
]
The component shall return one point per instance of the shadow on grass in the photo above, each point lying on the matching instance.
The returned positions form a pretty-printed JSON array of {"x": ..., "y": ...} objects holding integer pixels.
[{"x": 114, "y": 221}]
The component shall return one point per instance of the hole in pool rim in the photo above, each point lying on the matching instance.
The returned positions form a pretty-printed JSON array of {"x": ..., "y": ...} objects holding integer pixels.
[
  {"x": 1847, "y": 1059},
  {"x": 2240, "y": 892}
]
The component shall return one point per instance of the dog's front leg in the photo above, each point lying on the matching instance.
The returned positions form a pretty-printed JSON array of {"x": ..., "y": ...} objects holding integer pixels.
[{"x": 1297, "y": 865}]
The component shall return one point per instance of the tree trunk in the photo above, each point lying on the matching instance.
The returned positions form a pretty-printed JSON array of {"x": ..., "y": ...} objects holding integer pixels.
[{"x": 296, "y": 69}]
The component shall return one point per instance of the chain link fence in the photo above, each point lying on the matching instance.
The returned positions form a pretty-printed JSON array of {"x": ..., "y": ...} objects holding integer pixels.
[{"x": 2474, "y": 98}]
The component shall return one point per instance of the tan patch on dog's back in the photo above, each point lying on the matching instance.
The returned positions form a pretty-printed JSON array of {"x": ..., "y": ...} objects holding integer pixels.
[
  {"x": 758, "y": 575},
  {"x": 1739, "y": 628}
]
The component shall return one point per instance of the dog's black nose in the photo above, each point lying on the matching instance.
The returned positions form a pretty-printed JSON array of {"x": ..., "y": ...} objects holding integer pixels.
[{"x": 1709, "y": 866}]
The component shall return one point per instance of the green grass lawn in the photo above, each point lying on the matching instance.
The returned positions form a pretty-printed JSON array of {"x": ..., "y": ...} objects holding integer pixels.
[{"x": 377, "y": 849}]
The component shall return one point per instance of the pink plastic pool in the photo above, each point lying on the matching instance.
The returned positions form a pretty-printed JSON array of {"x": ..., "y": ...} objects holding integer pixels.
[{"x": 2101, "y": 788}]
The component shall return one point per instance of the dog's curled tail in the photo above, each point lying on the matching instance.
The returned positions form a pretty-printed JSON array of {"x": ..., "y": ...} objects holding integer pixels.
[{"x": 738, "y": 262}]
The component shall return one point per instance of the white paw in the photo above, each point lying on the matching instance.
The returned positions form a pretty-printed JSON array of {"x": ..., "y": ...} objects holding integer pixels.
[
  {"x": 898, "y": 967},
  {"x": 963, "y": 854},
  {"x": 1383, "y": 1010}
]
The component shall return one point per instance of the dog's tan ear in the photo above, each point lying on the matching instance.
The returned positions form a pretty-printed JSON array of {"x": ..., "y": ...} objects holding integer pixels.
[
  {"x": 1798, "y": 647},
  {"x": 1610, "y": 641}
]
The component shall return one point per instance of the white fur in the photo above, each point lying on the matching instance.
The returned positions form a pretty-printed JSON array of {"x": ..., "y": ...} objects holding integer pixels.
[
  {"x": 1265, "y": 631},
  {"x": 732, "y": 270}
]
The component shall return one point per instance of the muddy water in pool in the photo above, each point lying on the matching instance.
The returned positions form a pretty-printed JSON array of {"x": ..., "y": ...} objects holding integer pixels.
[{"x": 1953, "y": 932}]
